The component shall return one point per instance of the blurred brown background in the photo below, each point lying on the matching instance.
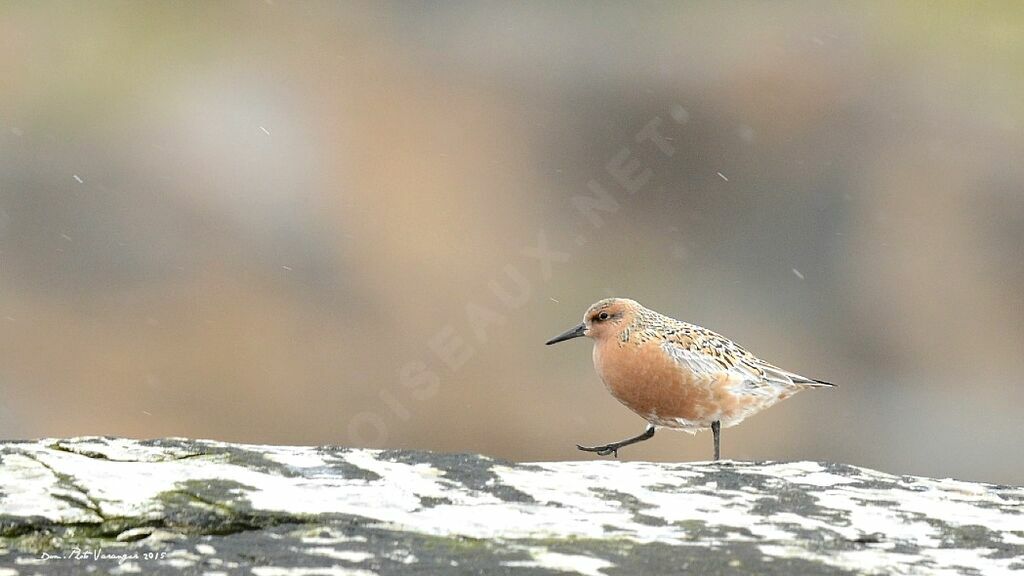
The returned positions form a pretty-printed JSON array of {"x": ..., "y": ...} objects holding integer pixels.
[{"x": 318, "y": 223}]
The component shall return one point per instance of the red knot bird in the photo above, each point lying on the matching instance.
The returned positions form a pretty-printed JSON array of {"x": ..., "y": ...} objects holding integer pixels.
[{"x": 677, "y": 375}]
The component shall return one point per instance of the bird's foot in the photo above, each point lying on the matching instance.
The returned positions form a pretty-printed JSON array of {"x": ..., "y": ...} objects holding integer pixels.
[{"x": 605, "y": 450}]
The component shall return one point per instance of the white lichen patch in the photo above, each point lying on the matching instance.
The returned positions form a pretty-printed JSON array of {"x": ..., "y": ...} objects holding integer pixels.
[
  {"x": 1014, "y": 538},
  {"x": 127, "y": 568},
  {"x": 809, "y": 473},
  {"x": 571, "y": 563},
  {"x": 346, "y": 555},
  {"x": 326, "y": 536},
  {"x": 303, "y": 459},
  {"x": 182, "y": 559},
  {"x": 135, "y": 534}
]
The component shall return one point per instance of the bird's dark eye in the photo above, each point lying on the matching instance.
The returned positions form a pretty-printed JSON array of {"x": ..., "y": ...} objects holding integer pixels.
[{"x": 602, "y": 316}]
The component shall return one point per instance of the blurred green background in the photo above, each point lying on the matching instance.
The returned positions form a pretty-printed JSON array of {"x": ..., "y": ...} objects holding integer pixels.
[{"x": 279, "y": 222}]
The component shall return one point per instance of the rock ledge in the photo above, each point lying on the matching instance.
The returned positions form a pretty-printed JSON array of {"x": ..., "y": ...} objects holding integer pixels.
[{"x": 177, "y": 506}]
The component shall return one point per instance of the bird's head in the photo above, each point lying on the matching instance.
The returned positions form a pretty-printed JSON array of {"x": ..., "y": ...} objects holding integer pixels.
[{"x": 604, "y": 319}]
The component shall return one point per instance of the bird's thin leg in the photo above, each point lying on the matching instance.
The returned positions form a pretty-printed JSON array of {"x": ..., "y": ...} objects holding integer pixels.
[
  {"x": 716, "y": 429},
  {"x": 613, "y": 448}
]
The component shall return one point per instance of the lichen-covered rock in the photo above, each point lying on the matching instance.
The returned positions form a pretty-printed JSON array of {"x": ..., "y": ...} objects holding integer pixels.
[{"x": 178, "y": 506}]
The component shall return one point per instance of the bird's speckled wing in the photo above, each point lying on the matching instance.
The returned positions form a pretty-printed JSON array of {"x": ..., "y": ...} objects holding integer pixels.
[{"x": 710, "y": 355}]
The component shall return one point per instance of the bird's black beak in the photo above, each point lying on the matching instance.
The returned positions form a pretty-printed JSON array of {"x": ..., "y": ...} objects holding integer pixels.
[{"x": 574, "y": 332}]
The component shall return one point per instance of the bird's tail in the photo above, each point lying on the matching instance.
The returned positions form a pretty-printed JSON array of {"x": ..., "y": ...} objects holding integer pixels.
[{"x": 814, "y": 383}]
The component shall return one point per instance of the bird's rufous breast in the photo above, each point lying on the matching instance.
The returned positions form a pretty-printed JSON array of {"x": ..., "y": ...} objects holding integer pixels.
[{"x": 648, "y": 381}]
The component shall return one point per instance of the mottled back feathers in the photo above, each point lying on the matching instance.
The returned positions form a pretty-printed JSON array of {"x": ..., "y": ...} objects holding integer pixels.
[{"x": 710, "y": 355}]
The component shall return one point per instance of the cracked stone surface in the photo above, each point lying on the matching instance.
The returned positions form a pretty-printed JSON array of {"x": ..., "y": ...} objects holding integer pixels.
[{"x": 177, "y": 506}]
